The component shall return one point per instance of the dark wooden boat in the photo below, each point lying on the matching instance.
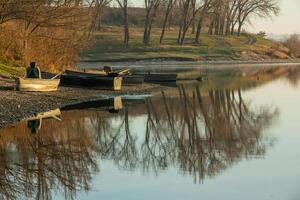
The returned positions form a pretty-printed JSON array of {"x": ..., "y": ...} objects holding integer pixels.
[
  {"x": 133, "y": 79},
  {"x": 128, "y": 79},
  {"x": 157, "y": 77},
  {"x": 85, "y": 74},
  {"x": 84, "y": 80},
  {"x": 102, "y": 104}
]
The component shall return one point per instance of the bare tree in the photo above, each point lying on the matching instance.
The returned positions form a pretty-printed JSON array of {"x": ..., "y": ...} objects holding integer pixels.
[
  {"x": 194, "y": 13},
  {"x": 231, "y": 15},
  {"x": 9, "y": 9},
  {"x": 170, "y": 6},
  {"x": 124, "y": 6},
  {"x": 97, "y": 11},
  {"x": 151, "y": 7},
  {"x": 206, "y": 4},
  {"x": 293, "y": 43},
  {"x": 186, "y": 11},
  {"x": 260, "y": 8},
  {"x": 37, "y": 14}
]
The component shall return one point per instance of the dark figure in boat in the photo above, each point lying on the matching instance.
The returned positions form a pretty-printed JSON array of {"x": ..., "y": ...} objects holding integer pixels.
[{"x": 33, "y": 71}]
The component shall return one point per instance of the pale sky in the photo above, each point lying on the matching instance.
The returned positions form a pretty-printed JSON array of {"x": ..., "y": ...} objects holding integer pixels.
[{"x": 288, "y": 21}]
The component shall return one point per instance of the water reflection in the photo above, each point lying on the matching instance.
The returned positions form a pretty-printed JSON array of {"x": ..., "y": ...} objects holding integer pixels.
[
  {"x": 35, "y": 123},
  {"x": 60, "y": 157},
  {"x": 203, "y": 133},
  {"x": 200, "y": 133}
]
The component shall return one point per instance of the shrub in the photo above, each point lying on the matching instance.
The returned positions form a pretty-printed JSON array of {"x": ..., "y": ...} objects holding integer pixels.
[{"x": 293, "y": 43}]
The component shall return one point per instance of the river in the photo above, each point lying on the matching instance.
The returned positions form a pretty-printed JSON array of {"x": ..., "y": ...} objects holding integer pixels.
[{"x": 228, "y": 141}]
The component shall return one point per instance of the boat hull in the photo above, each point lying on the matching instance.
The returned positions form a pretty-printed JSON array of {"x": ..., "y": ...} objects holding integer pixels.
[
  {"x": 103, "y": 82},
  {"x": 133, "y": 79},
  {"x": 37, "y": 85},
  {"x": 126, "y": 79},
  {"x": 158, "y": 77}
]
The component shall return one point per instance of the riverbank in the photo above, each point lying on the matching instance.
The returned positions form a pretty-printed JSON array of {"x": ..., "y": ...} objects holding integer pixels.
[{"x": 17, "y": 106}]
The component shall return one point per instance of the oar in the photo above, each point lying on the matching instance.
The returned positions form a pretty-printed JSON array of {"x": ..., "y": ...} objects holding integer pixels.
[
  {"x": 119, "y": 72},
  {"x": 56, "y": 76},
  {"x": 122, "y": 71},
  {"x": 57, "y": 118}
]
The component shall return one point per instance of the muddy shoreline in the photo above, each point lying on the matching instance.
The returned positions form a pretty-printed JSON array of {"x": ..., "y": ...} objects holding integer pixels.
[{"x": 17, "y": 106}]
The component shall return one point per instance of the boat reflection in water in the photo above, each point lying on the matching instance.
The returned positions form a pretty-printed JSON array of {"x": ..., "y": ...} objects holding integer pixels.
[
  {"x": 35, "y": 123},
  {"x": 201, "y": 133}
]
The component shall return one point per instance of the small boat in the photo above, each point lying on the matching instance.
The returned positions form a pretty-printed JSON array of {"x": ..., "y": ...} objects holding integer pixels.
[
  {"x": 109, "y": 72},
  {"x": 96, "y": 72},
  {"x": 85, "y": 73},
  {"x": 127, "y": 79},
  {"x": 157, "y": 77},
  {"x": 37, "y": 85},
  {"x": 133, "y": 79},
  {"x": 85, "y": 80}
]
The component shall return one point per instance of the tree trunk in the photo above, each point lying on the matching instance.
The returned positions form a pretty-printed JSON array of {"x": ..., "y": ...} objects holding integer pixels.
[
  {"x": 193, "y": 27},
  {"x": 227, "y": 31},
  {"x": 145, "y": 38},
  {"x": 222, "y": 25},
  {"x": 163, "y": 32},
  {"x": 232, "y": 27},
  {"x": 99, "y": 22},
  {"x": 239, "y": 29},
  {"x": 217, "y": 24},
  {"x": 126, "y": 27},
  {"x": 183, "y": 36},
  {"x": 211, "y": 27},
  {"x": 194, "y": 16},
  {"x": 164, "y": 26},
  {"x": 149, "y": 33},
  {"x": 25, "y": 55},
  {"x": 199, "y": 27},
  {"x": 179, "y": 34},
  {"x": 25, "y": 46}
]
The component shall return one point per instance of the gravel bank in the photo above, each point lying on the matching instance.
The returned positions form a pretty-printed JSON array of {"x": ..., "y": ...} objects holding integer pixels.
[{"x": 16, "y": 105}]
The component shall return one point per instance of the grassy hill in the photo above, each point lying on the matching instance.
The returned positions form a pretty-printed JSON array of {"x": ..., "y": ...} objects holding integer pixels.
[{"x": 108, "y": 46}]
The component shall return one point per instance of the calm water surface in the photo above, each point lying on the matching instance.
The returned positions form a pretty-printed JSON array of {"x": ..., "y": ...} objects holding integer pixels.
[{"x": 189, "y": 142}]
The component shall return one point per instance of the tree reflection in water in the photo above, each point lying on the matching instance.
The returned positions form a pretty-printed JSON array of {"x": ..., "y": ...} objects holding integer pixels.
[
  {"x": 203, "y": 133},
  {"x": 61, "y": 157},
  {"x": 200, "y": 133}
]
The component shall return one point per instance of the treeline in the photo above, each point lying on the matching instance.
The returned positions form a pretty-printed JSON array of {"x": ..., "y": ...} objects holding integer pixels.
[
  {"x": 220, "y": 17},
  {"x": 51, "y": 32}
]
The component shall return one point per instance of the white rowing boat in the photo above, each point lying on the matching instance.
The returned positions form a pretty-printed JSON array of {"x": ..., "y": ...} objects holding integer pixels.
[{"x": 37, "y": 85}]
